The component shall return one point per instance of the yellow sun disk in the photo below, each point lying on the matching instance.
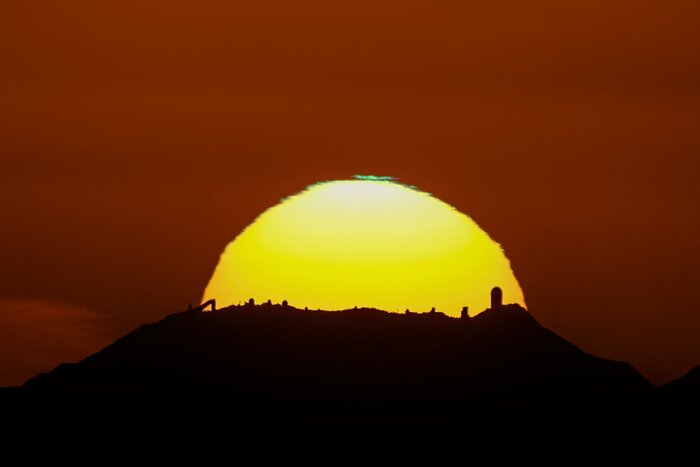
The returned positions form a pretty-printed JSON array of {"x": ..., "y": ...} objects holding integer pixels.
[{"x": 370, "y": 243}]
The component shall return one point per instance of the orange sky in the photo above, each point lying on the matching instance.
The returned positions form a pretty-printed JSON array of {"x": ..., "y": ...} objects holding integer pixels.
[{"x": 138, "y": 138}]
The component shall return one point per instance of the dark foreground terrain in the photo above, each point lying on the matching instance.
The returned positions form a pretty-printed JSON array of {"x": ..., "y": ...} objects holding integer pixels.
[{"x": 276, "y": 365}]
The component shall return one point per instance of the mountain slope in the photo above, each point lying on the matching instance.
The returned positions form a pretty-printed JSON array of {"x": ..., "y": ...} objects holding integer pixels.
[
  {"x": 278, "y": 363},
  {"x": 685, "y": 388}
]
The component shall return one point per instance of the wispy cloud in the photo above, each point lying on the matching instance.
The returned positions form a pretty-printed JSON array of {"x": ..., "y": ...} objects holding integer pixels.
[{"x": 37, "y": 335}]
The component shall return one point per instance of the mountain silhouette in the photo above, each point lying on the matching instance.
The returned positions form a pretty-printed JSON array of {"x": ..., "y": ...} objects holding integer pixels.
[
  {"x": 686, "y": 388},
  {"x": 278, "y": 364}
]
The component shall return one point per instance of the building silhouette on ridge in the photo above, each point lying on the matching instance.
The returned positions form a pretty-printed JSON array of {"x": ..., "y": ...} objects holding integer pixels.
[
  {"x": 496, "y": 298},
  {"x": 496, "y": 304}
]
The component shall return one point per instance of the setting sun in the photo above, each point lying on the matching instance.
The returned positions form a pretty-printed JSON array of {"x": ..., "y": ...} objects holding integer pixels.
[{"x": 368, "y": 242}]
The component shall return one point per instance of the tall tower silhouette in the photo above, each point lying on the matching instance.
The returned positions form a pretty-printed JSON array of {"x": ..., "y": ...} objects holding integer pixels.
[{"x": 496, "y": 298}]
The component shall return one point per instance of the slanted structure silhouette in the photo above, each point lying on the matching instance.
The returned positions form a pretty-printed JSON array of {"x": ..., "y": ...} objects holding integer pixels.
[
  {"x": 202, "y": 307},
  {"x": 496, "y": 298}
]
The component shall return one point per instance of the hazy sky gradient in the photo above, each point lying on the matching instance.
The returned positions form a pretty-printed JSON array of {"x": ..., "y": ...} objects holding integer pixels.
[{"x": 138, "y": 138}]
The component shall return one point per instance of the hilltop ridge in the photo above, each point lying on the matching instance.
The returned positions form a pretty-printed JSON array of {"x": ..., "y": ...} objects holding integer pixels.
[{"x": 282, "y": 364}]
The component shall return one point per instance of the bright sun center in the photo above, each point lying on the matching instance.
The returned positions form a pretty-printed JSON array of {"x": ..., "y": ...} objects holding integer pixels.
[{"x": 369, "y": 243}]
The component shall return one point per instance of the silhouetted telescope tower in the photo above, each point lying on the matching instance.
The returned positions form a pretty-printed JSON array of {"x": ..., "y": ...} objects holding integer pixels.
[{"x": 496, "y": 298}]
